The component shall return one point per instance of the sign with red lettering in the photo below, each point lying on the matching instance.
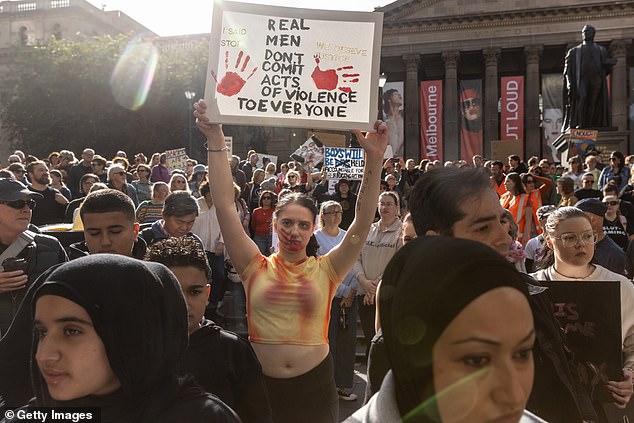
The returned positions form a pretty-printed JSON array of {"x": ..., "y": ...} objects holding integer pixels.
[
  {"x": 590, "y": 315},
  {"x": 280, "y": 66},
  {"x": 431, "y": 120},
  {"x": 512, "y": 113}
]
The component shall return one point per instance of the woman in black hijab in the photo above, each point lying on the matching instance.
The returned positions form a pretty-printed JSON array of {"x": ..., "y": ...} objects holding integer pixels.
[
  {"x": 110, "y": 332},
  {"x": 458, "y": 331}
]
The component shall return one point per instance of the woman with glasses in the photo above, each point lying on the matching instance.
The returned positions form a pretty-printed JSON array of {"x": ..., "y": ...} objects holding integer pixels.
[
  {"x": 293, "y": 182},
  {"x": 98, "y": 165},
  {"x": 178, "y": 182},
  {"x": 570, "y": 243},
  {"x": 342, "y": 330},
  {"x": 142, "y": 184},
  {"x": 117, "y": 179},
  {"x": 383, "y": 240},
  {"x": 614, "y": 223},
  {"x": 519, "y": 203},
  {"x": 261, "y": 221},
  {"x": 616, "y": 168}
]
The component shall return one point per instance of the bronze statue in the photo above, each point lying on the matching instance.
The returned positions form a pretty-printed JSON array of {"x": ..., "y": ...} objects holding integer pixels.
[{"x": 585, "y": 88}]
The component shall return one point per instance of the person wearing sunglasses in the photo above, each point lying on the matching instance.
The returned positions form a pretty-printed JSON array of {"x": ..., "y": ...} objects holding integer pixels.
[
  {"x": 571, "y": 244},
  {"x": 471, "y": 123},
  {"x": 607, "y": 253},
  {"x": 34, "y": 252},
  {"x": 587, "y": 190},
  {"x": 615, "y": 225},
  {"x": 117, "y": 179}
]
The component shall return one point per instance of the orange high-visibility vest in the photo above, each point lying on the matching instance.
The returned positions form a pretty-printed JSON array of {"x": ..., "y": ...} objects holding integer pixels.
[
  {"x": 500, "y": 189},
  {"x": 517, "y": 206},
  {"x": 536, "y": 203}
]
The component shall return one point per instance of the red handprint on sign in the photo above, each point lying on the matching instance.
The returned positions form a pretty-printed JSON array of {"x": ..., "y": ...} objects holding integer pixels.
[
  {"x": 232, "y": 82},
  {"x": 329, "y": 79}
]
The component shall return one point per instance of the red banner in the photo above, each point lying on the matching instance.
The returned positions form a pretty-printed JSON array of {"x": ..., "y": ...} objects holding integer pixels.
[
  {"x": 431, "y": 120},
  {"x": 471, "y": 118},
  {"x": 512, "y": 116}
]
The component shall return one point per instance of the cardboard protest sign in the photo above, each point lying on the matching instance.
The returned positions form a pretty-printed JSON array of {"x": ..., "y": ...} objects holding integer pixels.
[
  {"x": 590, "y": 314},
  {"x": 280, "y": 66},
  {"x": 309, "y": 154},
  {"x": 346, "y": 163},
  {"x": 264, "y": 159},
  {"x": 176, "y": 159}
]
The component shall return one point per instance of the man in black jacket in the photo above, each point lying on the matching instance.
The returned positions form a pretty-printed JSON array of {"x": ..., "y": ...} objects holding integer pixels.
[{"x": 25, "y": 255}]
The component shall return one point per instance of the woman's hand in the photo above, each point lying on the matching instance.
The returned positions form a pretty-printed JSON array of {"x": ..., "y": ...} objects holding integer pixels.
[
  {"x": 374, "y": 143},
  {"x": 212, "y": 131},
  {"x": 621, "y": 391}
]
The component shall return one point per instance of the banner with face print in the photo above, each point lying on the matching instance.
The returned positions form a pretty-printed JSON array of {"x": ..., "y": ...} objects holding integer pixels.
[
  {"x": 470, "y": 107},
  {"x": 280, "y": 66},
  {"x": 552, "y": 113},
  {"x": 393, "y": 105}
]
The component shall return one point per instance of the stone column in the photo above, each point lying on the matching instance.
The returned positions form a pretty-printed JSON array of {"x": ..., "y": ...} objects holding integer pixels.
[
  {"x": 618, "y": 90},
  {"x": 451, "y": 137},
  {"x": 412, "y": 107},
  {"x": 533, "y": 140},
  {"x": 491, "y": 98}
]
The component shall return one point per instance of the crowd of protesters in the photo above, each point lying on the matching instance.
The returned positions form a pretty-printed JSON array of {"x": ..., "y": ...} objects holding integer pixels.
[{"x": 247, "y": 228}]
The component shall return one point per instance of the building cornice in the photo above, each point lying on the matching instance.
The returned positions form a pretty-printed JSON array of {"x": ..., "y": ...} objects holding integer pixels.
[{"x": 396, "y": 23}]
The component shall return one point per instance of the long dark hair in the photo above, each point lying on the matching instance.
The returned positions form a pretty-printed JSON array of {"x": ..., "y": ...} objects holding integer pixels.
[{"x": 517, "y": 182}]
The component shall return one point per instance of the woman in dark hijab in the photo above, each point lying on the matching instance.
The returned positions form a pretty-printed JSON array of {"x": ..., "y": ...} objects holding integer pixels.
[
  {"x": 459, "y": 334},
  {"x": 110, "y": 332}
]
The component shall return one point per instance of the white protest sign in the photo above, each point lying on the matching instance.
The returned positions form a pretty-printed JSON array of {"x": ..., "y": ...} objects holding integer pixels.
[
  {"x": 346, "y": 163},
  {"x": 269, "y": 158},
  {"x": 279, "y": 66},
  {"x": 309, "y": 154},
  {"x": 176, "y": 159},
  {"x": 229, "y": 145}
]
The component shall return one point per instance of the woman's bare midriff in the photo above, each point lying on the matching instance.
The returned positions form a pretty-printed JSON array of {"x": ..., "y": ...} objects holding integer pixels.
[{"x": 286, "y": 361}]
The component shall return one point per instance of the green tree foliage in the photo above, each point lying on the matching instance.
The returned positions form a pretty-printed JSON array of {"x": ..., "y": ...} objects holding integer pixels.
[{"x": 59, "y": 96}]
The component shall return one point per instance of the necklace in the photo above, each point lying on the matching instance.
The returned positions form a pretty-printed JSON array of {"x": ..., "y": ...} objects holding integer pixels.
[{"x": 592, "y": 267}]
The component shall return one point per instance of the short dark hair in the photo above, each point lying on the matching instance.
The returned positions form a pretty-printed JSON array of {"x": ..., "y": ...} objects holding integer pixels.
[
  {"x": 179, "y": 251},
  {"x": 436, "y": 199},
  {"x": 99, "y": 160},
  {"x": 567, "y": 184},
  {"x": 180, "y": 203},
  {"x": 30, "y": 166},
  {"x": 106, "y": 201}
]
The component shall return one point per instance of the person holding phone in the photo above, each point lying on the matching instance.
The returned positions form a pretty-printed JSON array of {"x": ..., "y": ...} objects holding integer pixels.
[{"x": 24, "y": 255}]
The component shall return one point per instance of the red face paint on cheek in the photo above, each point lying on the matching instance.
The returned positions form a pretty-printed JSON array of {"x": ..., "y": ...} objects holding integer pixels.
[{"x": 287, "y": 242}]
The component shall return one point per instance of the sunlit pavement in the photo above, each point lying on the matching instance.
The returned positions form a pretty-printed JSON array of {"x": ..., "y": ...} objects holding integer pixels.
[{"x": 346, "y": 408}]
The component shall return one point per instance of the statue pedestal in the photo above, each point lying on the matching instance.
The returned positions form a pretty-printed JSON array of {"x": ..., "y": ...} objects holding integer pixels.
[{"x": 609, "y": 140}]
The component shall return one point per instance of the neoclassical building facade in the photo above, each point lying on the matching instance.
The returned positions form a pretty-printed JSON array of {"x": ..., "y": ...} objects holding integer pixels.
[{"x": 488, "y": 40}]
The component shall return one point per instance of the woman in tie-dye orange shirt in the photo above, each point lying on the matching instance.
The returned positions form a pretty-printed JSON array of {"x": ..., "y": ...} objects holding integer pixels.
[{"x": 289, "y": 293}]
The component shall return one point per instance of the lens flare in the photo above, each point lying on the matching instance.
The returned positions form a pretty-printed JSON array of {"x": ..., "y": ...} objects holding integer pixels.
[{"x": 132, "y": 76}]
